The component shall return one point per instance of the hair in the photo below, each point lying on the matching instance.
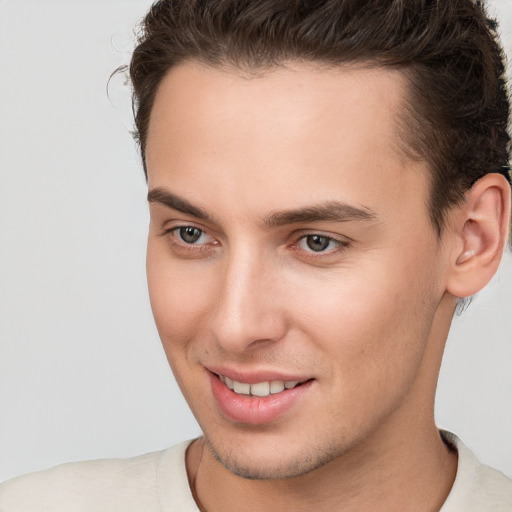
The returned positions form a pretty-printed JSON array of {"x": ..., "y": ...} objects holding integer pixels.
[{"x": 456, "y": 112}]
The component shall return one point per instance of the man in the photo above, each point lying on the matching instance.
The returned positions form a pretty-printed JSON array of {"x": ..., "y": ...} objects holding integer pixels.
[{"x": 327, "y": 181}]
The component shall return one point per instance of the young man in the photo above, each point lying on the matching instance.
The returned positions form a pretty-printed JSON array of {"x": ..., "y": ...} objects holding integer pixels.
[{"x": 327, "y": 180}]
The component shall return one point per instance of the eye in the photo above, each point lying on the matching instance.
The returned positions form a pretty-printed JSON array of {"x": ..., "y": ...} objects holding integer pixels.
[
  {"x": 318, "y": 243},
  {"x": 190, "y": 234},
  {"x": 190, "y": 241}
]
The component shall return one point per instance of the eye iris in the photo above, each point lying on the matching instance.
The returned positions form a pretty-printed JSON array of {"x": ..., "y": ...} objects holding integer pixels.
[
  {"x": 190, "y": 234},
  {"x": 317, "y": 243}
]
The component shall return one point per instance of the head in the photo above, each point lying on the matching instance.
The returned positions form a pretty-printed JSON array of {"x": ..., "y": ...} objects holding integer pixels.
[{"x": 318, "y": 175}]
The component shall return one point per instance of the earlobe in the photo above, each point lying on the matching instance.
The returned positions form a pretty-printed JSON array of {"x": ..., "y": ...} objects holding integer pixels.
[{"x": 481, "y": 229}]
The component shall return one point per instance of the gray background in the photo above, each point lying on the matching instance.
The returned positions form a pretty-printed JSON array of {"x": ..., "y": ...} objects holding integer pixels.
[{"x": 82, "y": 373}]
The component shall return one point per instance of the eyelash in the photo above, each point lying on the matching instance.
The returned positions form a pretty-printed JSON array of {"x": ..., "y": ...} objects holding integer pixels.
[
  {"x": 177, "y": 241},
  {"x": 340, "y": 246},
  {"x": 192, "y": 248}
]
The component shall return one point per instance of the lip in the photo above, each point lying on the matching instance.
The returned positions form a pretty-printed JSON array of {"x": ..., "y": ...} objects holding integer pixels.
[
  {"x": 253, "y": 410},
  {"x": 253, "y": 377}
]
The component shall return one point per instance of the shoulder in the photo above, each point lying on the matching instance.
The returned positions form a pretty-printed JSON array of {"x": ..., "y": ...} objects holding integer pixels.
[
  {"x": 102, "y": 485},
  {"x": 477, "y": 487}
]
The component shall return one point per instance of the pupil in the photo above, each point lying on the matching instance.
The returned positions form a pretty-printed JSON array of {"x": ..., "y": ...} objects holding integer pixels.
[
  {"x": 317, "y": 243},
  {"x": 190, "y": 234}
]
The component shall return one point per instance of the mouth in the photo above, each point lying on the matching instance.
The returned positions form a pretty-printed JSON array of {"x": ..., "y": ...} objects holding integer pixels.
[
  {"x": 260, "y": 389},
  {"x": 258, "y": 397}
]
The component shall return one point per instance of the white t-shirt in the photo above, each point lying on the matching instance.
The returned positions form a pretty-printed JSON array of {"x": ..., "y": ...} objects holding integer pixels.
[{"x": 157, "y": 482}]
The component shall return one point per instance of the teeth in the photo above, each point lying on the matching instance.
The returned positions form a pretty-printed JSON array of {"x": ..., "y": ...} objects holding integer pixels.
[
  {"x": 276, "y": 386},
  {"x": 260, "y": 389},
  {"x": 229, "y": 382},
  {"x": 242, "y": 388}
]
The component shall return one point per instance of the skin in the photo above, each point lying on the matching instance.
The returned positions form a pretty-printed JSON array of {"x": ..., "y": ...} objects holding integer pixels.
[{"x": 366, "y": 317}]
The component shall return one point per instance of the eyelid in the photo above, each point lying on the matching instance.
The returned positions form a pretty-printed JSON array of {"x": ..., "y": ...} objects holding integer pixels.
[
  {"x": 170, "y": 232},
  {"x": 174, "y": 224},
  {"x": 336, "y": 237},
  {"x": 342, "y": 243},
  {"x": 202, "y": 234}
]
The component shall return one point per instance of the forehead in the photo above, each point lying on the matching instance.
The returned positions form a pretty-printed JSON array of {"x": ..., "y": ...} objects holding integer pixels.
[
  {"x": 299, "y": 129},
  {"x": 297, "y": 100}
]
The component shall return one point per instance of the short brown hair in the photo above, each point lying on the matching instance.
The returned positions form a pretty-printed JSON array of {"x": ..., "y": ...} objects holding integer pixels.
[{"x": 458, "y": 109}]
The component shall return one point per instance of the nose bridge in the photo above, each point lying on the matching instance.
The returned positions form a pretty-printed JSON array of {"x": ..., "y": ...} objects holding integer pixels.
[{"x": 246, "y": 312}]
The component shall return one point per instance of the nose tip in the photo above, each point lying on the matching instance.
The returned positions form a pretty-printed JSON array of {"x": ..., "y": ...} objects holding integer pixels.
[
  {"x": 248, "y": 311},
  {"x": 236, "y": 333}
]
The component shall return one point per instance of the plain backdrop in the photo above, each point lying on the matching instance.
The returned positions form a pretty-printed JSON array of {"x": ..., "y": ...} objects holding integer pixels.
[{"x": 82, "y": 373}]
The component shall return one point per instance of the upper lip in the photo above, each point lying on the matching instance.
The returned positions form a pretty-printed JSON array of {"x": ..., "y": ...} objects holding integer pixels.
[{"x": 258, "y": 375}]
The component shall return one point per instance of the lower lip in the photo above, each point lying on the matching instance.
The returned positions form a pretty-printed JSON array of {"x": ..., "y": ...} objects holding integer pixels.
[{"x": 255, "y": 410}]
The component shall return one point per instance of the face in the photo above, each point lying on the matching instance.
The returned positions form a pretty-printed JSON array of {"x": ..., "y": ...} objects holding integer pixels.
[{"x": 294, "y": 274}]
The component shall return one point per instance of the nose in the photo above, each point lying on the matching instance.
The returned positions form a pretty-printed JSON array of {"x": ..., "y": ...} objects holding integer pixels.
[{"x": 249, "y": 310}]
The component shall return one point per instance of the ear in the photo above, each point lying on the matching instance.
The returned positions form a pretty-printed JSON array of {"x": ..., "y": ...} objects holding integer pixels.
[{"x": 480, "y": 228}]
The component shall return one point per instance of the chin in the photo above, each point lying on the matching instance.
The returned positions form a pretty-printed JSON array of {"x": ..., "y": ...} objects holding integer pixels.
[{"x": 271, "y": 464}]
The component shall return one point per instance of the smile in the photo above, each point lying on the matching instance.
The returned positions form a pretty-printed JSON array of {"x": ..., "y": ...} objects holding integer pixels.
[
  {"x": 259, "y": 389},
  {"x": 258, "y": 401}
]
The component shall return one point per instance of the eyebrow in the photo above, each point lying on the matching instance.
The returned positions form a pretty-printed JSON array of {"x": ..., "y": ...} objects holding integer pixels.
[
  {"x": 166, "y": 198},
  {"x": 329, "y": 211}
]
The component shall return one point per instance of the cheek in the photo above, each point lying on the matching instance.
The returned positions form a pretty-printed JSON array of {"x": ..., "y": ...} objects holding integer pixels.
[
  {"x": 179, "y": 298},
  {"x": 372, "y": 323}
]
